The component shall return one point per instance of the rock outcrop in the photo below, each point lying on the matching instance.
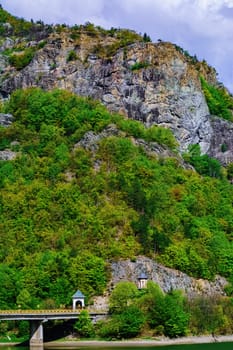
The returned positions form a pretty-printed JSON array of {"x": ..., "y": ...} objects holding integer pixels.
[
  {"x": 221, "y": 146},
  {"x": 153, "y": 83},
  {"x": 7, "y": 155},
  {"x": 6, "y": 119},
  {"x": 168, "y": 279},
  {"x": 90, "y": 140}
]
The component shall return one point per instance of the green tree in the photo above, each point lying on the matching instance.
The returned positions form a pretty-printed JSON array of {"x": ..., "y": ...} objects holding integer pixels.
[
  {"x": 124, "y": 324},
  {"x": 72, "y": 56},
  {"x": 203, "y": 164},
  {"x": 175, "y": 316},
  {"x": 84, "y": 325},
  {"x": 219, "y": 101},
  {"x": 9, "y": 286},
  {"x": 19, "y": 61},
  {"x": 24, "y": 299},
  {"x": 152, "y": 304},
  {"x": 230, "y": 171},
  {"x": 23, "y": 329},
  {"x": 207, "y": 315},
  {"x": 165, "y": 312},
  {"x": 131, "y": 321},
  {"x": 122, "y": 296},
  {"x": 146, "y": 38}
]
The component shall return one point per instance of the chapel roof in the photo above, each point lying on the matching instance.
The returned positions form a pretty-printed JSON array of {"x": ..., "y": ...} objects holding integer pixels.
[{"x": 78, "y": 294}]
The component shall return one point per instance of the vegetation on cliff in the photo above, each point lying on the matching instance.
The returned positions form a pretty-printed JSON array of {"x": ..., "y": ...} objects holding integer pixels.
[
  {"x": 31, "y": 36},
  {"x": 65, "y": 210},
  {"x": 219, "y": 101},
  {"x": 67, "y": 207},
  {"x": 11, "y": 26},
  {"x": 150, "y": 311}
]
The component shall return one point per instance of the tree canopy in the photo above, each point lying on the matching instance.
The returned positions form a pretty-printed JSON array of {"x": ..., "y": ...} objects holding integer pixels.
[{"x": 67, "y": 209}]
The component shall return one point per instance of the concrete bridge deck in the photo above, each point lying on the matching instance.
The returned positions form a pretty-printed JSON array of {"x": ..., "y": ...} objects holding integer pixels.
[
  {"x": 59, "y": 314},
  {"x": 38, "y": 317}
]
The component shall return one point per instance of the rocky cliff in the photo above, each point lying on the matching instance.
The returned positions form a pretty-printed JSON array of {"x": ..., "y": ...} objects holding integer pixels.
[
  {"x": 168, "y": 279},
  {"x": 221, "y": 145},
  {"x": 153, "y": 83}
]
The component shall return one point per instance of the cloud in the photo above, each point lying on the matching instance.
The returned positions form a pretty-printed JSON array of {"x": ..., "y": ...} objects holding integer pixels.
[
  {"x": 203, "y": 27},
  {"x": 56, "y": 11}
]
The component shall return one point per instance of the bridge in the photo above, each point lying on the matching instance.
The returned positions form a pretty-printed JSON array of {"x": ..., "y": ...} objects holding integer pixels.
[{"x": 38, "y": 317}]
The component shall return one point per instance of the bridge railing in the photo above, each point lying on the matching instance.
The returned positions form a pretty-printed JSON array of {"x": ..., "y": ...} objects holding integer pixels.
[
  {"x": 50, "y": 311},
  {"x": 39, "y": 311}
]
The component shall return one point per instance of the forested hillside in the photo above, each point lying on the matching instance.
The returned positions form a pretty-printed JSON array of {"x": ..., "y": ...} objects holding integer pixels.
[
  {"x": 113, "y": 150},
  {"x": 66, "y": 209}
]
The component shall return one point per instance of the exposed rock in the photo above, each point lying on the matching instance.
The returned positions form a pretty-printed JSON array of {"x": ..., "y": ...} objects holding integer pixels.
[
  {"x": 166, "y": 91},
  {"x": 100, "y": 303},
  {"x": 90, "y": 140},
  {"x": 7, "y": 155},
  {"x": 6, "y": 119},
  {"x": 8, "y": 43},
  {"x": 156, "y": 150},
  {"x": 221, "y": 140},
  {"x": 166, "y": 278}
]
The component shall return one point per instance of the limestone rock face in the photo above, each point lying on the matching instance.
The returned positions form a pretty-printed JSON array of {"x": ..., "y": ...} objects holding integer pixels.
[
  {"x": 7, "y": 155},
  {"x": 221, "y": 145},
  {"x": 168, "y": 279},
  {"x": 153, "y": 83},
  {"x": 164, "y": 90},
  {"x": 90, "y": 139},
  {"x": 6, "y": 119}
]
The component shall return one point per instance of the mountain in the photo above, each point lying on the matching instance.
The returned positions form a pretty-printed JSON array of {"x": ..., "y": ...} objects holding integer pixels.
[
  {"x": 154, "y": 83},
  {"x": 112, "y": 147}
]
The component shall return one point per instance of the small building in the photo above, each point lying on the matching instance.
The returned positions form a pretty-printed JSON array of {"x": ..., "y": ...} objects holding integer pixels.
[
  {"x": 142, "y": 281},
  {"x": 78, "y": 300}
]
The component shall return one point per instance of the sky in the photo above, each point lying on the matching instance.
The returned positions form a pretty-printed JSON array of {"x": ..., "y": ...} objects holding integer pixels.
[{"x": 202, "y": 27}]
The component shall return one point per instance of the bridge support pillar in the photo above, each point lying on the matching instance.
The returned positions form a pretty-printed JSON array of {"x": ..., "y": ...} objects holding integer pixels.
[{"x": 36, "y": 333}]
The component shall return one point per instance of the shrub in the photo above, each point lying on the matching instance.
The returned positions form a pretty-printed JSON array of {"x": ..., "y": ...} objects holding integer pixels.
[
  {"x": 21, "y": 60},
  {"x": 203, "y": 164},
  {"x": 146, "y": 38},
  {"x": 224, "y": 147},
  {"x": 123, "y": 295},
  {"x": 42, "y": 44},
  {"x": 220, "y": 103},
  {"x": 72, "y": 56},
  {"x": 126, "y": 324},
  {"x": 131, "y": 321},
  {"x": 139, "y": 65},
  {"x": 84, "y": 325},
  {"x": 163, "y": 136}
]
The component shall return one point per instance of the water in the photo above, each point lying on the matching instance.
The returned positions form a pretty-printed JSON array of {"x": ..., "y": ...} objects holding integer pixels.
[{"x": 212, "y": 346}]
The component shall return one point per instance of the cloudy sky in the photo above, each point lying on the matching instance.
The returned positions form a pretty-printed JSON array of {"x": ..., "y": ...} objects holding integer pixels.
[{"x": 202, "y": 27}]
